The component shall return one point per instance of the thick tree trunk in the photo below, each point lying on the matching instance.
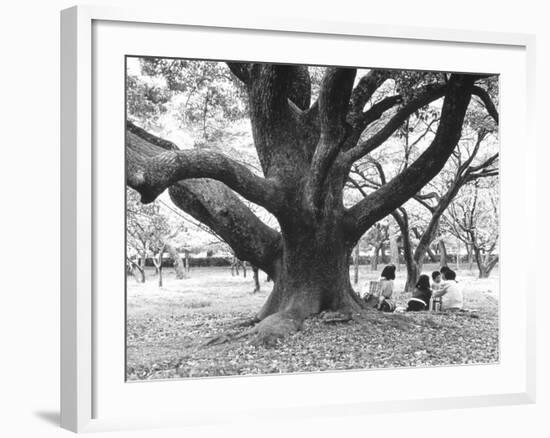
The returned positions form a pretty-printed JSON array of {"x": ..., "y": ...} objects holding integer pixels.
[
  {"x": 312, "y": 276},
  {"x": 356, "y": 264}
]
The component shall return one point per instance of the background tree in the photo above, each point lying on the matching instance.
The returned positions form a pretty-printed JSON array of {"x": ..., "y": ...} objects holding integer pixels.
[
  {"x": 150, "y": 233},
  {"x": 377, "y": 237},
  {"x": 305, "y": 151},
  {"x": 473, "y": 219}
]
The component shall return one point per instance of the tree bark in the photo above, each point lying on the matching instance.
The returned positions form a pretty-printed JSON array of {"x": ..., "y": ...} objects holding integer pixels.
[{"x": 313, "y": 276}]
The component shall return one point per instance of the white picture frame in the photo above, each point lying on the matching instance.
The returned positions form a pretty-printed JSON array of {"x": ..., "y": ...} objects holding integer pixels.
[{"x": 83, "y": 370}]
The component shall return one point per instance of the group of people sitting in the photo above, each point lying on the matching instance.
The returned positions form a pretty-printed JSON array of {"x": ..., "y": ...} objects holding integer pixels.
[{"x": 443, "y": 285}]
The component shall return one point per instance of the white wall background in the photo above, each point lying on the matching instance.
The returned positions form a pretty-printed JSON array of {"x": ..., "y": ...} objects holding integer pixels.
[{"x": 29, "y": 217}]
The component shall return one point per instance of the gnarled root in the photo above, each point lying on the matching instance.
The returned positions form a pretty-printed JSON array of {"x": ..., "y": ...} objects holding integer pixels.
[
  {"x": 275, "y": 327},
  {"x": 267, "y": 332}
]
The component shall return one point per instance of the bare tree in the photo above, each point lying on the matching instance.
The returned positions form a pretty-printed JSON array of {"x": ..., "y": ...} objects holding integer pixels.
[{"x": 474, "y": 221}]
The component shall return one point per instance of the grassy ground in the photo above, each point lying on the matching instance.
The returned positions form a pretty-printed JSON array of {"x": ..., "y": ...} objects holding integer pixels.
[{"x": 167, "y": 327}]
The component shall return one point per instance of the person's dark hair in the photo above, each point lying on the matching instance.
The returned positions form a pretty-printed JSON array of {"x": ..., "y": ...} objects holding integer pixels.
[
  {"x": 450, "y": 274},
  {"x": 423, "y": 282},
  {"x": 444, "y": 269},
  {"x": 435, "y": 274},
  {"x": 388, "y": 272}
]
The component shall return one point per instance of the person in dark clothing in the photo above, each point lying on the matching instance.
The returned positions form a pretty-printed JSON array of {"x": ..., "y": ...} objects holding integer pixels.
[
  {"x": 444, "y": 270},
  {"x": 421, "y": 295}
]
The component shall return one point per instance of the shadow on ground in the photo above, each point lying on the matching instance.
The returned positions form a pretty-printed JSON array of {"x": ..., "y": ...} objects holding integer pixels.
[{"x": 51, "y": 417}]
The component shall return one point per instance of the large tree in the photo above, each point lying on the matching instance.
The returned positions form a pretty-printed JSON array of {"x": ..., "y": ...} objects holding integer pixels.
[{"x": 306, "y": 151}]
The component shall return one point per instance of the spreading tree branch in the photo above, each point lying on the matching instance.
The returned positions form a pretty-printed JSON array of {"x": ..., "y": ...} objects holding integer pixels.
[
  {"x": 151, "y": 175},
  {"x": 427, "y": 95},
  {"x": 402, "y": 187},
  {"x": 213, "y": 204},
  {"x": 241, "y": 70},
  {"x": 364, "y": 90},
  {"x": 333, "y": 105},
  {"x": 487, "y": 101},
  {"x": 273, "y": 120}
]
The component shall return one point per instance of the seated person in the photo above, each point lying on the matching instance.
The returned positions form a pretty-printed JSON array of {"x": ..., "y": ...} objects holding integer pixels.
[
  {"x": 436, "y": 280},
  {"x": 421, "y": 295},
  {"x": 450, "y": 292},
  {"x": 386, "y": 285},
  {"x": 444, "y": 269},
  {"x": 436, "y": 285}
]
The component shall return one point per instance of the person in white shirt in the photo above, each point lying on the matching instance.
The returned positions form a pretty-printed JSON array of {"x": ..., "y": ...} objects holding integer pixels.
[{"x": 450, "y": 293}]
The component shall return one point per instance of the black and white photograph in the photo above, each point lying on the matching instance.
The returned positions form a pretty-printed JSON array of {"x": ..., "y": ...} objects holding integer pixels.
[{"x": 286, "y": 218}]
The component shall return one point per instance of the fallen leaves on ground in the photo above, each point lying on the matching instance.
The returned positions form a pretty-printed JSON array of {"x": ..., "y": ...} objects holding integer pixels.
[{"x": 376, "y": 340}]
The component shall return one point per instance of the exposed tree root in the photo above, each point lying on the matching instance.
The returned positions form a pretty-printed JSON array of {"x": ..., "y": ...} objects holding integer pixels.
[
  {"x": 267, "y": 332},
  {"x": 334, "y": 317},
  {"x": 245, "y": 322},
  {"x": 274, "y": 328}
]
